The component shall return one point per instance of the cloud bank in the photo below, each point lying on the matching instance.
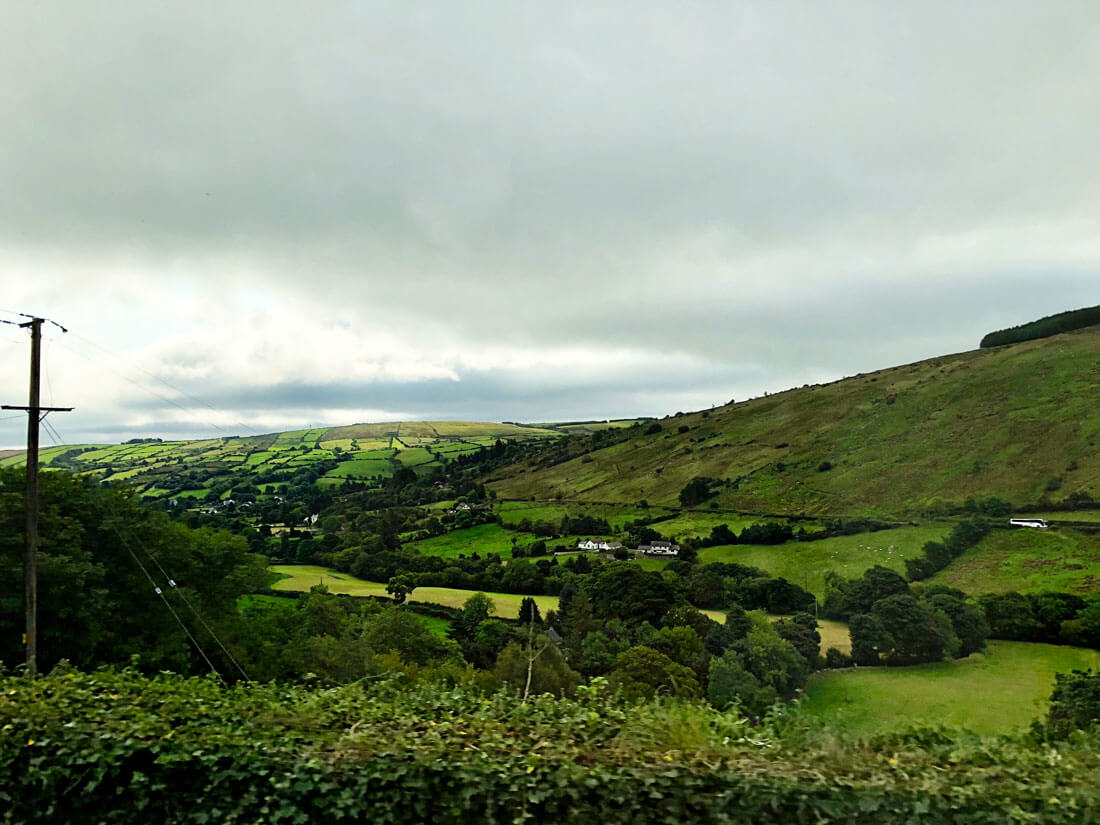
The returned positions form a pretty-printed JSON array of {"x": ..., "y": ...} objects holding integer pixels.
[{"x": 298, "y": 216}]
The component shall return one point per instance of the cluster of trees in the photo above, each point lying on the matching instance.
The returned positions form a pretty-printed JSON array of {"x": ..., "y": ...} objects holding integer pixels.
[
  {"x": 937, "y": 555},
  {"x": 1054, "y": 618},
  {"x": 102, "y": 555},
  {"x": 698, "y": 490},
  {"x": 891, "y": 624},
  {"x": 1074, "y": 704},
  {"x": 1044, "y": 327},
  {"x": 336, "y": 639},
  {"x": 771, "y": 533},
  {"x": 619, "y": 624}
]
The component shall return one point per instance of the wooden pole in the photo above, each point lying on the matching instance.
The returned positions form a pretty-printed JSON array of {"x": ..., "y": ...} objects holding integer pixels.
[{"x": 30, "y": 558}]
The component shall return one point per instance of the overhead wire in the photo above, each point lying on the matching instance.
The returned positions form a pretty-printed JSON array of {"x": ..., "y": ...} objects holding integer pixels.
[
  {"x": 169, "y": 581},
  {"x": 179, "y": 592},
  {"x": 159, "y": 592},
  {"x": 113, "y": 524},
  {"x": 164, "y": 381},
  {"x": 142, "y": 387}
]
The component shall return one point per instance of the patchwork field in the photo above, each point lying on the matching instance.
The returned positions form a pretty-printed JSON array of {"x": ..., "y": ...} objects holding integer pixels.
[
  {"x": 366, "y": 453},
  {"x": 999, "y": 691},
  {"x": 805, "y": 563}
]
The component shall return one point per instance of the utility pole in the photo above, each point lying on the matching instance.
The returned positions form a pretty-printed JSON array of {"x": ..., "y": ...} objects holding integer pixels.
[{"x": 35, "y": 414}]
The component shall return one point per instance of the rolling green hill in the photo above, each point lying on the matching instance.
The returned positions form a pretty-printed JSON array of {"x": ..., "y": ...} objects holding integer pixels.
[
  {"x": 1019, "y": 422},
  {"x": 213, "y": 468}
]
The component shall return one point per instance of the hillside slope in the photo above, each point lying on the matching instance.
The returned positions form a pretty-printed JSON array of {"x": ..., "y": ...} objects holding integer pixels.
[
  {"x": 1019, "y": 422},
  {"x": 212, "y": 468}
]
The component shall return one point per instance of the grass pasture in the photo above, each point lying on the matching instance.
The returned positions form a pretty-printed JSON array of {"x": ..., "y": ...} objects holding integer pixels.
[
  {"x": 301, "y": 577},
  {"x": 999, "y": 691},
  {"x": 1068, "y": 515},
  {"x": 834, "y": 634},
  {"x": 1028, "y": 561},
  {"x": 805, "y": 563},
  {"x": 513, "y": 512},
  {"x": 483, "y": 539},
  {"x": 698, "y": 524}
]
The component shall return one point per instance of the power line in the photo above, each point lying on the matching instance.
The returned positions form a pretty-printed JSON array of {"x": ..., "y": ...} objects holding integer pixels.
[
  {"x": 171, "y": 582},
  {"x": 143, "y": 388},
  {"x": 202, "y": 621},
  {"x": 163, "y": 381},
  {"x": 175, "y": 616}
]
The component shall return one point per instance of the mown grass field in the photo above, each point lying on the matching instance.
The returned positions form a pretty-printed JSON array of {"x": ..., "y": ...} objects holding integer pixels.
[
  {"x": 834, "y": 634},
  {"x": 805, "y": 563},
  {"x": 1028, "y": 561},
  {"x": 898, "y": 441},
  {"x": 999, "y": 691},
  {"x": 301, "y": 577}
]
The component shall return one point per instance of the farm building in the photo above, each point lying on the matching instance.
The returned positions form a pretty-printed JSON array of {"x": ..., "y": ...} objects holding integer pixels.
[
  {"x": 659, "y": 548},
  {"x": 598, "y": 544}
]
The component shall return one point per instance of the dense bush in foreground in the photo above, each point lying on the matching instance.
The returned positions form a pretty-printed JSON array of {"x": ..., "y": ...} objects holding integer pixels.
[{"x": 123, "y": 748}]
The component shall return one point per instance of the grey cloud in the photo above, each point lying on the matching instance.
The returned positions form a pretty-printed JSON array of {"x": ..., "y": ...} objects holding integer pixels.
[{"x": 749, "y": 186}]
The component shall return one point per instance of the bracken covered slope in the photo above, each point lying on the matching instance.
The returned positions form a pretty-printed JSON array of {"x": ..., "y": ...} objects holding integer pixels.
[{"x": 1019, "y": 422}]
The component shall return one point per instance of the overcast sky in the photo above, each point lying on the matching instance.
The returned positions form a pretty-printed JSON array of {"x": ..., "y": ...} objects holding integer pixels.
[{"x": 322, "y": 213}]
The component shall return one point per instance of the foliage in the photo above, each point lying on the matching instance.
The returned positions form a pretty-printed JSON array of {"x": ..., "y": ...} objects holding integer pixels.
[
  {"x": 1055, "y": 618},
  {"x": 696, "y": 491},
  {"x": 642, "y": 673},
  {"x": 623, "y": 590},
  {"x": 120, "y": 748},
  {"x": 549, "y": 671},
  {"x": 937, "y": 555},
  {"x": 1075, "y": 703},
  {"x": 1044, "y": 327},
  {"x": 96, "y": 601}
]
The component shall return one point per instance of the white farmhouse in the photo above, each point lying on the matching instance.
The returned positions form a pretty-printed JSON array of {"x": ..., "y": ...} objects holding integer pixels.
[
  {"x": 659, "y": 548},
  {"x": 599, "y": 544}
]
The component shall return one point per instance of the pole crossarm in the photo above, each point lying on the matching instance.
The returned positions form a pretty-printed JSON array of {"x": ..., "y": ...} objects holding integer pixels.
[{"x": 36, "y": 409}]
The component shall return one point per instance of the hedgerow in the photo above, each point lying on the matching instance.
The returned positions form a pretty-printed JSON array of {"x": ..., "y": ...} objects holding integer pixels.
[{"x": 123, "y": 748}]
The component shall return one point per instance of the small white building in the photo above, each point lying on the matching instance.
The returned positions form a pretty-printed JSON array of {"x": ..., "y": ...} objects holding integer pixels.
[
  {"x": 599, "y": 544},
  {"x": 659, "y": 548}
]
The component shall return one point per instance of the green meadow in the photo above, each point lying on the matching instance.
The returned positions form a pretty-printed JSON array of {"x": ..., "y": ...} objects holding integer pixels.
[
  {"x": 1028, "y": 561},
  {"x": 302, "y": 577},
  {"x": 1000, "y": 691},
  {"x": 483, "y": 539},
  {"x": 513, "y": 512},
  {"x": 805, "y": 563}
]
